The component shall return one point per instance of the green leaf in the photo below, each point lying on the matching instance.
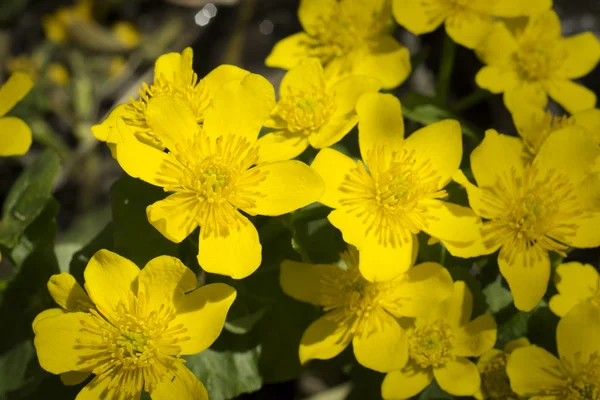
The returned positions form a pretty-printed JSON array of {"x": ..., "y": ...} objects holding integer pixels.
[
  {"x": 497, "y": 296},
  {"x": 134, "y": 237},
  {"x": 28, "y": 197},
  {"x": 14, "y": 366}
]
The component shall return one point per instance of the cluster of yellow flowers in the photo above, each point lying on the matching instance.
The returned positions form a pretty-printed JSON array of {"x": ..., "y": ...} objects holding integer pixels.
[{"x": 198, "y": 139}]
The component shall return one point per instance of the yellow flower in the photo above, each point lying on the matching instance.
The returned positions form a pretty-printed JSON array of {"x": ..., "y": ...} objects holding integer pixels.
[
  {"x": 56, "y": 25},
  {"x": 537, "y": 61},
  {"x": 575, "y": 283},
  {"x": 58, "y": 74},
  {"x": 492, "y": 367},
  {"x": 312, "y": 110},
  {"x": 213, "y": 171},
  {"x": 127, "y": 34},
  {"x": 360, "y": 311},
  {"x": 395, "y": 192},
  {"x": 350, "y": 37},
  {"x": 15, "y": 135},
  {"x": 575, "y": 375},
  {"x": 532, "y": 208},
  {"x": 173, "y": 76},
  {"x": 438, "y": 345},
  {"x": 142, "y": 323}
]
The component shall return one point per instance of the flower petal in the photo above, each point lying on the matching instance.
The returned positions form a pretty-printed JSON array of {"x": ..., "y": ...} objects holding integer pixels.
[
  {"x": 302, "y": 281},
  {"x": 13, "y": 90},
  {"x": 468, "y": 28},
  {"x": 517, "y": 8},
  {"x": 532, "y": 93},
  {"x": 498, "y": 47},
  {"x": 307, "y": 76},
  {"x": 171, "y": 120},
  {"x": 457, "y": 308},
  {"x": 590, "y": 121},
  {"x": 533, "y": 370},
  {"x": 289, "y": 51},
  {"x": 323, "y": 339},
  {"x": 512, "y": 345},
  {"x": 333, "y": 131},
  {"x": 348, "y": 90},
  {"x": 73, "y": 378},
  {"x": 440, "y": 146},
  {"x": 66, "y": 292},
  {"x": 527, "y": 281},
  {"x": 379, "y": 263},
  {"x": 387, "y": 60},
  {"x": 583, "y": 55},
  {"x": 476, "y": 196},
  {"x": 106, "y": 131},
  {"x": 496, "y": 79},
  {"x": 333, "y": 167},
  {"x": 352, "y": 227},
  {"x": 586, "y": 235},
  {"x": 572, "y": 96},
  {"x": 380, "y": 124},
  {"x": 168, "y": 65},
  {"x": 415, "y": 16},
  {"x": 109, "y": 280},
  {"x": 281, "y": 145},
  {"x": 459, "y": 377},
  {"x": 15, "y": 137},
  {"x": 477, "y": 337},
  {"x": 179, "y": 384},
  {"x": 235, "y": 253},
  {"x": 311, "y": 13},
  {"x": 288, "y": 186},
  {"x": 496, "y": 155},
  {"x": 406, "y": 383},
  {"x": 221, "y": 75},
  {"x": 577, "y": 334},
  {"x": 202, "y": 312},
  {"x": 575, "y": 282},
  {"x": 174, "y": 216},
  {"x": 98, "y": 389},
  {"x": 384, "y": 349},
  {"x": 49, "y": 313}
]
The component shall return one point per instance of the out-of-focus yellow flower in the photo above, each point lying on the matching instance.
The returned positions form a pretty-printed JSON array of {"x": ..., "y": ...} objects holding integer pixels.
[
  {"x": 537, "y": 61},
  {"x": 312, "y": 110},
  {"x": 396, "y": 191},
  {"x": 56, "y": 25},
  {"x": 467, "y": 22},
  {"x": 127, "y": 34},
  {"x": 15, "y": 135},
  {"x": 212, "y": 173},
  {"x": 532, "y": 208},
  {"x": 58, "y": 74},
  {"x": 360, "y": 311},
  {"x": 492, "y": 367},
  {"x": 117, "y": 66},
  {"x": 133, "y": 328},
  {"x": 439, "y": 343},
  {"x": 575, "y": 375},
  {"x": 350, "y": 37},
  {"x": 23, "y": 63},
  {"x": 575, "y": 283}
]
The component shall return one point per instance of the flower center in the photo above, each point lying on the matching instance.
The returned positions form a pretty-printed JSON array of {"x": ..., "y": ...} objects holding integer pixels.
[
  {"x": 431, "y": 344},
  {"x": 494, "y": 380},
  {"x": 389, "y": 197},
  {"x": 306, "y": 111}
]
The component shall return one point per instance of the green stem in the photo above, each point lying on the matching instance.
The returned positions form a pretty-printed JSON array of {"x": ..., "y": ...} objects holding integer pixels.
[
  {"x": 445, "y": 73},
  {"x": 470, "y": 100}
]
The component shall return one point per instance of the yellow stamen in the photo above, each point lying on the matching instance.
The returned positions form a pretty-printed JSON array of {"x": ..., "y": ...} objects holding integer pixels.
[
  {"x": 431, "y": 345},
  {"x": 305, "y": 111},
  {"x": 494, "y": 380}
]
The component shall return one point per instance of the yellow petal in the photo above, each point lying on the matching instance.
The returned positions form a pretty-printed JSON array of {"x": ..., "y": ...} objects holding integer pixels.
[
  {"x": 302, "y": 281},
  {"x": 532, "y": 370},
  {"x": 516, "y": 8},
  {"x": 179, "y": 383},
  {"x": 235, "y": 253},
  {"x": 109, "y": 280},
  {"x": 352, "y": 227},
  {"x": 98, "y": 389},
  {"x": 57, "y": 343},
  {"x": 379, "y": 262},
  {"x": 454, "y": 223},
  {"x": 240, "y": 108},
  {"x": 577, "y": 334},
  {"x": 15, "y": 137},
  {"x": 415, "y": 16},
  {"x": 106, "y": 131},
  {"x": 13, "y": 90},
  {"x": 384, "y": 349},
  {"x": 440, "y": 146},
  {"x": 590, "y": 120},
  {"x": 457, "y": 308},
  {"x": 323, "y": 339},
  {"x": 164, "y": 281},
  {"x": 512, "y": 345},
  {"x": 333, "y": 167},
  {"x": 333, "y": 131},
  {"x": 496, "y": 155},
  {"x": 575, "y": 282},
  {"x": 475, "y": 338},
  {"x": 498, "y": 47},
  {"x": 586, "y": 235},
  {"x": 583, "y": 55},
  {"x": 281, "y": 145},
  {"x": 221, "y": 75},
  {"x": 487, "y": 357},
  {"x": 380, "y": 124},
  {"x": 348, "y": 90},
  {"x": 406, "y": 383},
  {"x": 527, "y": 282},
  {"x": 49, "y": 313},
  {"x": 73, "y": 378},
  {"x": 387, "y": 60},
  {"x": 202, "y": 312},
  {"x": 288, "y": 186},
  {"x": 476, "y": 196},
  {"x": 307, "y": 76},
  {"x": 459, "y": 377},
  {"x": 468, "y": 28},
  {"x": 531, "y": 92},
  {"x": 174, "y": 216},
  {"x": 289, "y": 51},
  {"x": 66, "y": 292},
  {"x": 496, "y": 79},
  {"x": 167, "y": 66},
  {"x": 312, "y": 12},
  {"x": 171, "y": 120},
  {"x": 572, "y": 96}
]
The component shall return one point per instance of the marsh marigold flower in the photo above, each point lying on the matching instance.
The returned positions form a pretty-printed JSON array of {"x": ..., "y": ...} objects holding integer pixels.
[
  {"x": 312, "y": 111},
  {"x": 492, "y": 367},
  {"x": 396, "y": 191},
  {"x": 15, "y": 135},
  {"x": 467, "y": 22},
  {"x": 349, "y": 37},
  {"x": 138, "y": 326},
  {"x": 360, "y": 311},
  {"x": 575, "y": 375},
  {"x": 537, "y": 62},
  {"x": 213, "y": 172},
  {"x": 56, "y": 25},
  {"x": 532, "y": 208},
  {"x": 439, "y": 343},
  {"x": 58, "y": 74},
  {"x": 127, "y": 34},
  {"x": 575, "y": 283}
]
